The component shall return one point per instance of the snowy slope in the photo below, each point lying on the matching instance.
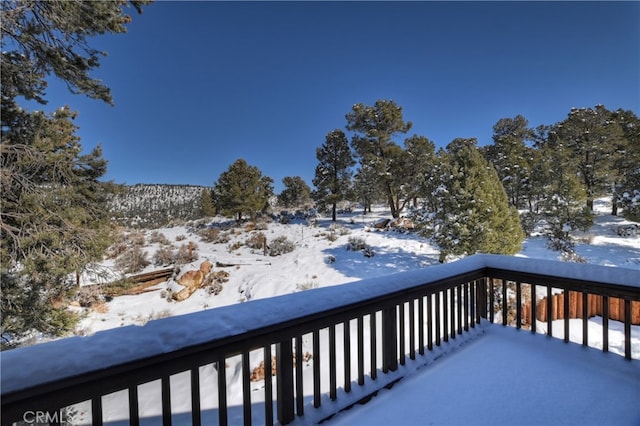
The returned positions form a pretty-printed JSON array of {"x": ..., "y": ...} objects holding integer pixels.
[{"x": 320, "y": 261}]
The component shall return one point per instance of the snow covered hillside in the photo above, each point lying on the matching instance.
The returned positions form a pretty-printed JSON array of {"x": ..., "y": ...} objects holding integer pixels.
[{"x": 149, "y": 204}]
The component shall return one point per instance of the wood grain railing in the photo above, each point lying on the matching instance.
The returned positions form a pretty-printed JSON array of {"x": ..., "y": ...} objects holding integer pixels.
[{"x": 376, "y": 324}]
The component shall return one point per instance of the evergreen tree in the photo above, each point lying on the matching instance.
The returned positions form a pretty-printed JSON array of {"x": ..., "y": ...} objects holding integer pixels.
[
  {"x": 418, "y": 168},
  {"x": 55, "y": 220},
  {"x": 591, "y": 137},
  {"x": 333, "y": 172},
  {"x": 242, "y": 189},
  {"x": 54, "y": 216},
  {"x": 474, "y": 215},
  {"x": 295, "y": 193},
  {"x": 207, "y": 209},
  {"x": 626, "y": 186},
  {"x": 510, "y": 156},
  {"x": 375, "y": 127},
  {"x": 434, "y": 175},
  {"x": 50, "y": 37},
  {"x": 366, "y": 187},
  {"x": 564, "y": 204}
]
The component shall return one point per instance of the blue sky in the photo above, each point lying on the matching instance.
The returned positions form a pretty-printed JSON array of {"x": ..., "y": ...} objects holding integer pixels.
[{"x": 198, "y": 85}]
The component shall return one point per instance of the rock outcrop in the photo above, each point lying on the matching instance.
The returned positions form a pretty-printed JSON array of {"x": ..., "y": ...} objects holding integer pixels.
[{"x": 192, "y": 281}]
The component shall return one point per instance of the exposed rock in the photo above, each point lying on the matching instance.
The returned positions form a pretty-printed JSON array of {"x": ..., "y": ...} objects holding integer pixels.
[
  {"x": 206, "y": 266},
  {"x": 383, "y": 224},
  {"x": 403, "y": 224},
  {"x": 193, "y": 280},
  {"x": 258, "y": 373}
]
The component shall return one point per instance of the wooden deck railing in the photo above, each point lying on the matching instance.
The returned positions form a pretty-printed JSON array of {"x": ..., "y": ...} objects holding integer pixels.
[{"x": 376, "y": 324}]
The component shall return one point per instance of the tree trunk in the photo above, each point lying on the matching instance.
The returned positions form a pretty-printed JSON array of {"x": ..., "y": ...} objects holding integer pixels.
[
  {"x": 392, "y": 206},
  {"x": 614, "y": 199},
  {"x": 333, "y": 212}
]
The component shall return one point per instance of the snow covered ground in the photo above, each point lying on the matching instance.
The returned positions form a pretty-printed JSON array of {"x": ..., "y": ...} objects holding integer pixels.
[
  {"x": 320, "y": 259},
  {"x": 317, "y": 261}
]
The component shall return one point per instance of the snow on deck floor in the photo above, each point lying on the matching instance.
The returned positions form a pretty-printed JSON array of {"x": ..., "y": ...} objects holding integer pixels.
[{"x": 510, "y": 377}]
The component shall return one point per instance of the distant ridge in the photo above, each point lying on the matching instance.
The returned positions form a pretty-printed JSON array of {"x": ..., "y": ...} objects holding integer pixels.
[{"x": 152, "y": 205}]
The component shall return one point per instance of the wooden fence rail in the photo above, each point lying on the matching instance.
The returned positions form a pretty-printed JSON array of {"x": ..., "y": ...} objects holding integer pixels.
[{"x": 595, "y": 307}]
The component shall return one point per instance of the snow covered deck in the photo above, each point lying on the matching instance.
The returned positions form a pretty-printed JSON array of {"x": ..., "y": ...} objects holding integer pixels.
[
  {"x": 361, "y": 337},
  {"x": 510, "y": 377}
]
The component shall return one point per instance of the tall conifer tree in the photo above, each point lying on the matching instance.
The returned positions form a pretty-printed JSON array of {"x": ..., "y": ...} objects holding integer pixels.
[
  {"x": 54, "y": 218},
  {"x": 626, "y": 167},
  {"x": 296, "y": 192},
  {"x": 510, "y": 155},
  {"x": 375, "y": 127},
  {"x": 474, "y": 215},
  {"x": 242, "y": 189},
  {"x": 591, "y": 138},
  {"x": 333, "y": 172}
]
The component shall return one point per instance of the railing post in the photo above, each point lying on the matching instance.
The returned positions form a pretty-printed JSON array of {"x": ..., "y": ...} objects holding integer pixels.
[
  {"x": 389, "y": 340},
  {"x": 284, "y": 385},
  {"x": 481, "y": 300}
]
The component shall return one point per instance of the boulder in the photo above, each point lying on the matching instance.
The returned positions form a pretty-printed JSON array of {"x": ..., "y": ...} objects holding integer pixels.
[
  {"x": 192, "y": 280},
  {"x": 206, "y": 266}
]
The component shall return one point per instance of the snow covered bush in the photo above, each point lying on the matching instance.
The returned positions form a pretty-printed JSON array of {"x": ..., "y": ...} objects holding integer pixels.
[
  {"x": 573, "y": 257},
  {"x": 256, "y": 241},
  {"x": 213, "y": 235},
  {"x": 124, "y": 243},
  {"x": 356, "y": 244},
  {"x": 339, "y": 229},
  {"x": 309, "y": 285},
  {"x": 158, "y": 237},
  {"x": 164, "y": 256},
  {"x": 368, "y": 252},
  {"x": 187, "y": 253},
  {"x": 630, "y": 202},
  {"x": 132, "y": 261},
  {"x": 561, "y": 244},
  {"x": 235, "y": 246},
  {"x": 280, "y": 245}
]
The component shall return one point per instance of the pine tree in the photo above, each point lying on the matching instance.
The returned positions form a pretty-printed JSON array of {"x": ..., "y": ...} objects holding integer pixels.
[
  {"x": 417, "y": 170},
  {"x": 55, "y": 219},
  {"x": 207, "y": 209},
  {"x": 591, "y": 137},
  {"x": 564, "y": 205},
  {"x": 366, "y": 187},
  {"x": 54, "y": 216},
  {"x": 296, "y": 192},
  {"x": 333, "y": 172},
  {"x": 242, "y": 189},
  {"x": 626, "y": 185},
  {"x": 474, "y": 215},
  {"x": 510, "y": 155},
  {"x": 375, "y": 127}
]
